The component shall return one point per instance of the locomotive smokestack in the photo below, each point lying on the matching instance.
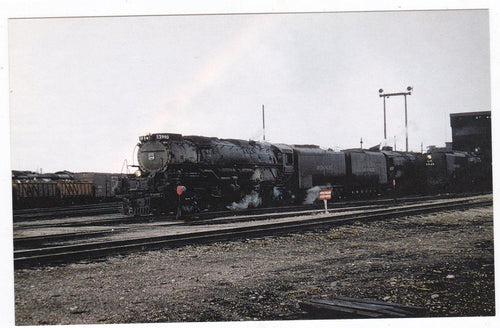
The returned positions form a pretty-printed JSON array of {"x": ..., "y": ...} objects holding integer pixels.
[{"x": 263, "y": 125}]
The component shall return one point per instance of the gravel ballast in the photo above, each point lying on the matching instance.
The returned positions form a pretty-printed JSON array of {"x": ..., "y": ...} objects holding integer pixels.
[{"x": 442, "y": 262}]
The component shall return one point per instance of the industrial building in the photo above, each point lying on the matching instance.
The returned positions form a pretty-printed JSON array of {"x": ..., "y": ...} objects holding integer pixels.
[{"x": 472, "y": 132}]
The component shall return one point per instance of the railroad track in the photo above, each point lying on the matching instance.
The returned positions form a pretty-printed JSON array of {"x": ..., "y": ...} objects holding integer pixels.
[
  {"x": 42, "y": 240},
  {"x": 51, "y": 214},
  {"x": 207, "y": 218},
  {"x": 42, "y": 220},
  {"x": 269, "y": 226},
  {"x": 201, "y": 219},
  {"x": 66, "y": 211}
]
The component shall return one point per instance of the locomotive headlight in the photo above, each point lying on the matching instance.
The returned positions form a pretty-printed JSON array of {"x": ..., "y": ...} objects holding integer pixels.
[
  {"x": 138, "y": 173},
  {"x": 429, "y": 156}
]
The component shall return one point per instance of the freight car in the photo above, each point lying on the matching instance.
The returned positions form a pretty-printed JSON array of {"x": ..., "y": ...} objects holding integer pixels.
[
  {"x": 28, "y": 194},
  {"x": 103, "y": 183},
  {"x": 192, "y": 173},
  {"x": 31, "y": 189}
]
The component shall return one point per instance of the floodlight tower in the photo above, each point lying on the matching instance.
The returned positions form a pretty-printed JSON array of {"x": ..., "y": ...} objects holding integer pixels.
[{"x": 387, "y": 95}]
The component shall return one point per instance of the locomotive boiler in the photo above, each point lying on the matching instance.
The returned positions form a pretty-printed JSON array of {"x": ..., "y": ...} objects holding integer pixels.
[{"x": 194, "y": 173}]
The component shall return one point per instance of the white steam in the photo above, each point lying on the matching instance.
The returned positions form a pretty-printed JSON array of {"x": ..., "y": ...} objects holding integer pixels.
[
  {"x": 253, "y": 199},
  {"x": 312, "y": 195},
  {"x": 277, "y": 193}
]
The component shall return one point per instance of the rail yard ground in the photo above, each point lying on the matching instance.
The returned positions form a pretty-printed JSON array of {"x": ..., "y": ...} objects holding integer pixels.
[{"x": 442, "y": 262}]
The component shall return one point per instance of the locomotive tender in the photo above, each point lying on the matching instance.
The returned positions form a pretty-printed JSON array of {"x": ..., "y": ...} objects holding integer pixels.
[{"x": 179, "y": 174}]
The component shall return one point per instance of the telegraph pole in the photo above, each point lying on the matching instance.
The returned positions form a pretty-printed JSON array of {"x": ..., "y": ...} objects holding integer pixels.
[{"x": 263, "y": 125}]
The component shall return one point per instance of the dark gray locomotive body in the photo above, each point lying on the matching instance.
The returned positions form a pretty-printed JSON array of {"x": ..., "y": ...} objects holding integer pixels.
[
  {"x": 366, "y": 172},
  {"x": 182, "y": 174},
  {"x": 453, "y": 170},
  {"x": 318, "y": 167},
  {"x": 193, "y": 173}
]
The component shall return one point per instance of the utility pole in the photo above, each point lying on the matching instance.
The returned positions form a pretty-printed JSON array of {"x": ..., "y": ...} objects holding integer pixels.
[{"x": 263, "y": 125}]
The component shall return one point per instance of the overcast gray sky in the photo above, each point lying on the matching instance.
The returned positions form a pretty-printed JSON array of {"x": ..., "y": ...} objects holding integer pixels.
[{"x": 84, "y": 89}]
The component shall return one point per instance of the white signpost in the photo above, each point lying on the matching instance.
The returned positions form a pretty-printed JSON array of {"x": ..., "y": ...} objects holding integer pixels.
[{"x": 325, "y": 195}]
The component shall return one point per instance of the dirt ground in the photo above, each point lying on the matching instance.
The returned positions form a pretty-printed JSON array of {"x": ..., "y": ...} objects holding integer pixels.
[{"x": 443, "y": 262}]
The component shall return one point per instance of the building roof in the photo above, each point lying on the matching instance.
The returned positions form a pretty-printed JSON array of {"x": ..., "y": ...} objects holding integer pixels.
[{"x": 470, "y": 113}]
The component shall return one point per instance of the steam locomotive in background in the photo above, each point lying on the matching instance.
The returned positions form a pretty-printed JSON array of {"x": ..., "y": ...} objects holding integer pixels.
[{"x": 187, "y": 174}]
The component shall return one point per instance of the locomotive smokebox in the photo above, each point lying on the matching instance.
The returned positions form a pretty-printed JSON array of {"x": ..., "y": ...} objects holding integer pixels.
[{"x": 153, "y": 156}]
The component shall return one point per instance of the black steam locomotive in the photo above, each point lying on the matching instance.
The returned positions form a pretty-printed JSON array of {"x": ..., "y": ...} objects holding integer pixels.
[{"x": 187, "y": 174}]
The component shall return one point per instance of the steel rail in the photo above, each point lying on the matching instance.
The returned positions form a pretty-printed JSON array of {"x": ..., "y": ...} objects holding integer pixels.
[
  {"x": 32, "y": 241},
  {"x": 201, "y": 218},
  {"x": 64, "y": 208},
  {"x": 39, "y": 240},
  {"x": 23, "y": 258},
  {"x": 88, "y": 209},
  {"x": 207, "y": 216}
]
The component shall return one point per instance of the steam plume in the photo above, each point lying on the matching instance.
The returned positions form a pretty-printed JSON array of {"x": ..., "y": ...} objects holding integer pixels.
[
  {"x": 253, "y": 199},
  {"x": 312, "y": 195}
]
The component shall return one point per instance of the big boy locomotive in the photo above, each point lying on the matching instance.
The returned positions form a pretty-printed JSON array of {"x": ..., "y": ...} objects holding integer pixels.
[{"x": 182, "y": 174}]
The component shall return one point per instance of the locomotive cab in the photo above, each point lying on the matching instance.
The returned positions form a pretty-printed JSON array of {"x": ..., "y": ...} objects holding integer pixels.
[{"x": 284, "y": 157}]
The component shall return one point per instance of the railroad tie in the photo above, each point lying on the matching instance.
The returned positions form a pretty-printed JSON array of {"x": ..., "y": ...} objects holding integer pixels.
[{"x": 343, "y": 307}]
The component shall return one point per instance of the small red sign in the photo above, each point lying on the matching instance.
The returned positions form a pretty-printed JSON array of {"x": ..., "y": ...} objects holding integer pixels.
[
  {"x": 325, "y": 194},
  {"x": 179, "y": 190}
]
